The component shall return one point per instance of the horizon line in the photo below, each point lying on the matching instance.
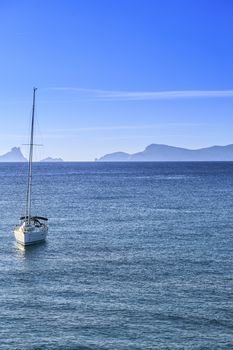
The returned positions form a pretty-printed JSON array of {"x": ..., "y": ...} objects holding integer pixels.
[{"x": 67, "y": 161}]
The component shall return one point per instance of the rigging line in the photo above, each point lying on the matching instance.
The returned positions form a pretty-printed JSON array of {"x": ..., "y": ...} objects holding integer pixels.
[{"x": 29, "y": 185}]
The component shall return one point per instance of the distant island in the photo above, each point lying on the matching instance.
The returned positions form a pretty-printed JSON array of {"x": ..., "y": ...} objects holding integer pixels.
[
  {"x": 158, "y": 152},
  {"x": 15, "y": 155},
  {"x": 49, "y": 160}
]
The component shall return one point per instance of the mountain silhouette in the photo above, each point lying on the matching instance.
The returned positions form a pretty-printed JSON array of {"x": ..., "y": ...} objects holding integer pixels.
[{"x": 158, "y": 152}]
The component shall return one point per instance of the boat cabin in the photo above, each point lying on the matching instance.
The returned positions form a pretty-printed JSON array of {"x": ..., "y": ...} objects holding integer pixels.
[{"x": 34, "y": 220}]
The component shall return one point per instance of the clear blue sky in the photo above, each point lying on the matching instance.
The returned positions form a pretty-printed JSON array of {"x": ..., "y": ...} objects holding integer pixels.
[{"x": 108, "y": 72}]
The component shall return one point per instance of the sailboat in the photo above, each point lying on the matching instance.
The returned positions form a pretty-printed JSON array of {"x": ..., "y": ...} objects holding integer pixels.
[{"x": 31, "y": 229}]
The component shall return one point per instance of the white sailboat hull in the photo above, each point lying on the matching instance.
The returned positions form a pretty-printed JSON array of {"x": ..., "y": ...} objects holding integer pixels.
[{"x": 30, "y": 235}]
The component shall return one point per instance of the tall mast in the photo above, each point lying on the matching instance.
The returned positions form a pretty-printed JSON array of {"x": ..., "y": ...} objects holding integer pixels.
[{"x": 29, "y": 185}]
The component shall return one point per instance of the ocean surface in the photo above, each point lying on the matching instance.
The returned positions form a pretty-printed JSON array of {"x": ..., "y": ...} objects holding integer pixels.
[{"x": 138, "y": 256}]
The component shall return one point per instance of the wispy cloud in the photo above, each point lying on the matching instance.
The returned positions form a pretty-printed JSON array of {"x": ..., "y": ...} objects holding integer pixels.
[
  {"x": 144, "y": 95},
  {"x": 127, "y": 127}
]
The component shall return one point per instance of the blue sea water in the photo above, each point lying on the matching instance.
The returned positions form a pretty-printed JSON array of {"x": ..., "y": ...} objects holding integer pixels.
[{"x": 138, "y": 256}]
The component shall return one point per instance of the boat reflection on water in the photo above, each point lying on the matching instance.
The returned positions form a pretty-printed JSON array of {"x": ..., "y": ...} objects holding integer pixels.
[{"x": 30, "y": 250}]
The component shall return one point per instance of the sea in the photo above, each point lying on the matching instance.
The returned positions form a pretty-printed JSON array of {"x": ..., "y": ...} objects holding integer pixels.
[{"x": 138, "y": 256}]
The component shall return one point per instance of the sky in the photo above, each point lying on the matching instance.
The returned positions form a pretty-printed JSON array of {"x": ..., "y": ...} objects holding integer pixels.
[{"x": 116, "y": 75}]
